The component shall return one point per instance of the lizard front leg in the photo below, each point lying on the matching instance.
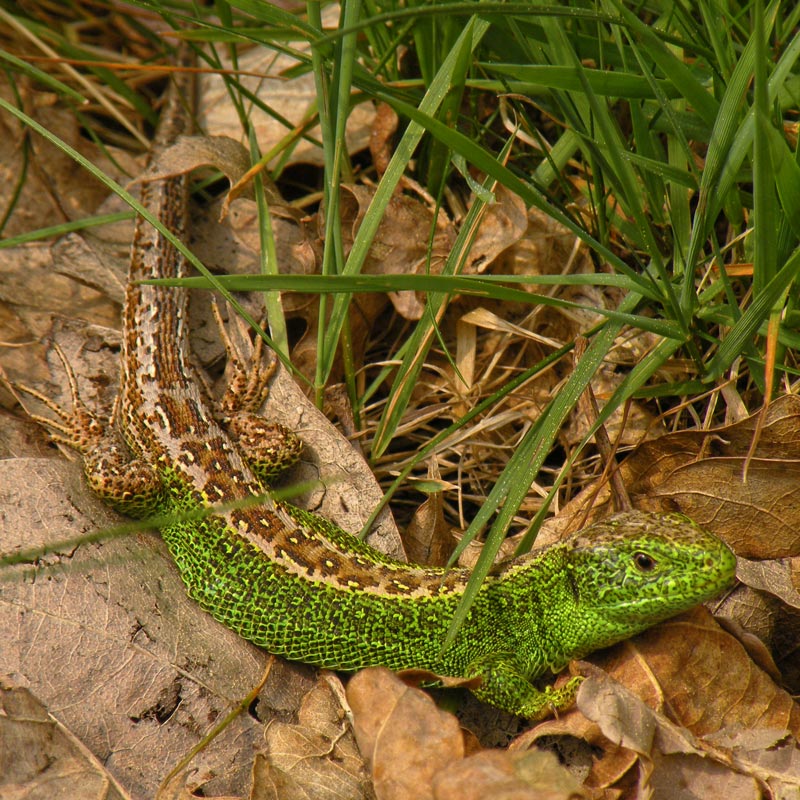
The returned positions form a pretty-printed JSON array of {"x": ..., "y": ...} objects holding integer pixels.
[{"x": 505, "y": 685}]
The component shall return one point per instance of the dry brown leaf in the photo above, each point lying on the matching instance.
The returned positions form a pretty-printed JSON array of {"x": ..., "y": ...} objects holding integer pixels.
[
  {"x": 502, "y": 225},
  {"x": 605, "y": 763},
  {"x": 659, "y": 742},
  {"x": 670, "y": 755},
  {"x": 520, "y": 775},
  {"x": 702, "y": 675},
  {"x": 26, "y": 310},
  {"x": 694, "y": 673},
  {"x": 316, "y": 757},
  {"x": 428, "y": 539},
  {"x": 772, "y": 755},
  {"x": 400, "y": 246},
  {"x": 189, "y": 153},
  {"x": 700, "y": 473},
  {"x": 382, "y": 132},
  {"x": 40, "y": 759},
  {"x": 777, "y": 576},
  {"x": 106, "y": 636},
  {"x": 405, "y": 739},
  {"x": 690, "y": 777},
  {"x": 768, "y": 628},
  {"x": 56, "y": 188}
]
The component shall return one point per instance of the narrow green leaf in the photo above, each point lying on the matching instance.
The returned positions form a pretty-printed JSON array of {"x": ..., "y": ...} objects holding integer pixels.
[{"x": 755, "y": 316}]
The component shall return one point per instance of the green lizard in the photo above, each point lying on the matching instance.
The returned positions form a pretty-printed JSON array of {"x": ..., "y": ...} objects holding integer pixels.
[{"x": 301, "y": 587}]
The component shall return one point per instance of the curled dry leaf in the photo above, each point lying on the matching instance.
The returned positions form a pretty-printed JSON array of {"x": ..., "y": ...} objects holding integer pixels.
[
  {"x": 779, "y": 577},
  {"x": 701, "y": 474},
  {"x": 416, "y": 750},
  {"x": 428, "y": 539},
  {"x": 771, "y": 755},
  {"x": 600, "y": 762},
  {"x": 660, "y": 700},
  {"x": 764, "y": 606},
  {"x": 668, "y": 754},
  {"x": 702, "y": 675},
  {"x": 191, "y": 152},
  {"x": 314, "y": 757},
  {"x": 405, "y": 739}
]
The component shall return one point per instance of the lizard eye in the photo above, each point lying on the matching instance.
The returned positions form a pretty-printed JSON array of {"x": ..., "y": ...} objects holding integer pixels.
[{"x": 644, "y": 562}]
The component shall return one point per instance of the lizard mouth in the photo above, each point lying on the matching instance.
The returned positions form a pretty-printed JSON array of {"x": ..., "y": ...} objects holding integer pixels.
[{"x": 662, "y": 601}]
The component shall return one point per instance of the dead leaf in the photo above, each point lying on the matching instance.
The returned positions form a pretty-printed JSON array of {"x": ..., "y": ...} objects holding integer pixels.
[
  {"x": 701, "y": 675},
  {"x": 503, "y": 225},
  {"x": 700, "y": 474},
  {"x": 404, "y": 737},
  {"x": 382, "y": 131},
  {"x": 734, "y": 760},
  {"x": 605, "y": 764},
  {"x": 777, "y": 576},
  {"x": 767, "y": 627},
  {"x": 668, "y": 752},
  {"x": 400, "y": 246},
  {"x": 428, "y": 539},
  {"x": 261, "y": 72},
  {"x": 56, "y": 188},
  {"x": 772, "y": 755},
  {"x": 315, "y": 757},
  {"x": 40, "y": 759},
  {"x": 690, "y": 777},
  {"x": 500, "y": 775},
  {"x": 188, "y": 153},
  {"x": 659, "y": 702},
  {"x": 416, "y": 750}
]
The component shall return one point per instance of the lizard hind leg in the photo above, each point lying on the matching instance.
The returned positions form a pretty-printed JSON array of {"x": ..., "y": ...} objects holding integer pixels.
[
  {"x": 269, "y": 447},
  {"x": 129, "y": 485}
]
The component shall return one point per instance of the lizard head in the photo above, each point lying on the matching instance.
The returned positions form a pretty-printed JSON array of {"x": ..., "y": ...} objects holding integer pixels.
[{"x": 635, "y": 569}]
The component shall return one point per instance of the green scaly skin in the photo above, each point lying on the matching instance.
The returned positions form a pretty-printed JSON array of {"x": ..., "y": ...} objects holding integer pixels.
[
  {"x": 531, "y": 616},
  {"x": 301, "y": 587}
]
